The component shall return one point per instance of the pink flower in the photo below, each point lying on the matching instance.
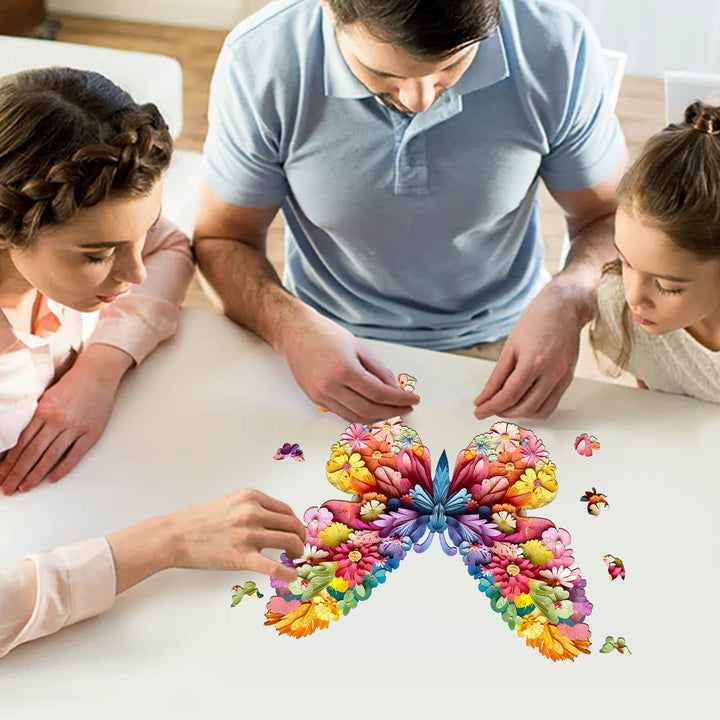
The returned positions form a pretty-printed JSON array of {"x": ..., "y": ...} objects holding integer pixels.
[
  {"x": 505, "y": 550},
  {"x": 356, "y": 436},
  {"x": 534, "y": 451},
  {"x": 585, "y": 444},
  {"x": 387, "y": 430},
  {"x": 391, "y": 482},
  {"x": 280, "y": 605},
  {"x": 365, "y": 537},
  {"x": 505, "y": 436},
  {"x": 317, "y": 519},
  {"x": 355, "y": 561},
  {"x": 512, "y": 576},
  {"x": 554, "y": 538}
]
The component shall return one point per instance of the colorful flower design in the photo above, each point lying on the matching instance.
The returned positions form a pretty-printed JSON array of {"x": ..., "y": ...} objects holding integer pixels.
[
  {"x": 387, "y": 430},
  {"x": 477, "y": 510},
  {"x": 378, "y": 453},
  {"x": 355, "y": 561},
  {"x": 356, "y": 437},
  {"x": 317, "y": 519},
  {"x": 348, "y": 473},
  {"x": 505, "y": 436},
  {"x": 512, "y": 575}
]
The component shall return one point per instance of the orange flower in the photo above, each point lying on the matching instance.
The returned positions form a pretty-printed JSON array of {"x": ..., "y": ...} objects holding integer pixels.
[
  {"x": 540, "y": 633},
  {"x": 376, "y": 453},
  {"x": 510, "y": 464},
  {"x": 308, "y": 618}
]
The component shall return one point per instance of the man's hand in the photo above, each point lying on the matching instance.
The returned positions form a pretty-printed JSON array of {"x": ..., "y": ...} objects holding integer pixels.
[
  {"x": 538, "y": 360},
  {"x": 69, "y": 419},
  {"x": 339, "y": 373}
]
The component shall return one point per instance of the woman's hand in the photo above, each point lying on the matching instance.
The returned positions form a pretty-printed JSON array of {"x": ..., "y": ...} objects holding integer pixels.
[
  {"x": 227, "y": 533},
  {"x": 69, "y": 419}
]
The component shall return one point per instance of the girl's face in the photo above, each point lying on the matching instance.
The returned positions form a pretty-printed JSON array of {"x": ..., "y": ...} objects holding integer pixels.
[
  {"x": 91, "y": 260},
  {"x": 666, "y": 287}
]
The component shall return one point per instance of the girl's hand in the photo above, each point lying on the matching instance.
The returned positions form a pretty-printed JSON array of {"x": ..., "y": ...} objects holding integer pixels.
[
  {"x": 69, "y": 419},
  {"x": 226, "y": 533}
]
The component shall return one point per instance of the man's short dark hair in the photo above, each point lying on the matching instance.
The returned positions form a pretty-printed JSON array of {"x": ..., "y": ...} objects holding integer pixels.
[{"x": 422, "y": 28}]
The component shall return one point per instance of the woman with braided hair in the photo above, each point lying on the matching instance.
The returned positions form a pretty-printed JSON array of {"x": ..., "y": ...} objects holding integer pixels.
[
  {"x": 81, "y": 231},
  {"x": 81, "y": 166},
  {"x": 659, "y": 302}
]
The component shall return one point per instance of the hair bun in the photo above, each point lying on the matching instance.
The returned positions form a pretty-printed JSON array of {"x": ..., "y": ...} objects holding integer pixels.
[{"x": 703, "y": 117}]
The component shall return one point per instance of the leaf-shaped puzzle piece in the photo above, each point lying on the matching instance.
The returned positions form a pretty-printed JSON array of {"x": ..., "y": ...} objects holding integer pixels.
[{"x": 523, "y": 565}]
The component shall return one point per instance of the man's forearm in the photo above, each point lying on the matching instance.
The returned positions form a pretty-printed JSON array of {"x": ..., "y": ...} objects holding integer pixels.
[
  {"x": 249, "y": 288},
  {"x": 590, "y": 249}
]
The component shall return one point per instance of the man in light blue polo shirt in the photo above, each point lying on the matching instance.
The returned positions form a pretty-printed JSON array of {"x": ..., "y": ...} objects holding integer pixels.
[{"x": 405, "y": 143}]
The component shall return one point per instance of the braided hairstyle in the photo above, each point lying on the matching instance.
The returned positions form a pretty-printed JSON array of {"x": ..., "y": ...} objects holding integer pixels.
[
  {"x": 68, "y": 140},
  {"x": 675, "y": 186}
]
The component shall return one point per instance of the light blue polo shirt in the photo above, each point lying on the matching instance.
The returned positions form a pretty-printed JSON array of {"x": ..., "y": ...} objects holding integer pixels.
[{"x": 419, "y": 229}]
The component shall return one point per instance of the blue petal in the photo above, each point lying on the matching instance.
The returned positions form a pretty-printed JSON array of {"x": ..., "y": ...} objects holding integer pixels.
[
  {"x": 446, "y": 548},
  {"x": 441, "y": 482},
  {"x": 422, "y": 547},
  {"x": 421, "y": 500}
]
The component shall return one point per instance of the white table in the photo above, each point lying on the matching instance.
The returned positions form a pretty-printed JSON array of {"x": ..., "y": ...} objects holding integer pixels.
[{"x": 206, "y": 413}]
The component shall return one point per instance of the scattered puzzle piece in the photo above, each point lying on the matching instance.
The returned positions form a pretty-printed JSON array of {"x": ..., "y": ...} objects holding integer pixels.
[
  {"x": 249, "y": 588},
  {"x": 618, "y": 645},
  {"x": 585, "y": 444},
  {"x": 290, "y": 450},
  {"x": 407, "y": 382},
  {"x": 616, "y": 568},
  {"x": 595, "y": 500}
]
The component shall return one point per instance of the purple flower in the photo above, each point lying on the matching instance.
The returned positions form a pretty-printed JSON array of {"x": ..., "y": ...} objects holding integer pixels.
[
  {"x": 581, "y": 605},
  {"x": 474, "y": 553},
  {"x": 395, "y": 546}
]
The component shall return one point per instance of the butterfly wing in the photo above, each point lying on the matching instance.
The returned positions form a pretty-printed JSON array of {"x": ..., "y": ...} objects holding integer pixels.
[{"x": 526, "y": 568}]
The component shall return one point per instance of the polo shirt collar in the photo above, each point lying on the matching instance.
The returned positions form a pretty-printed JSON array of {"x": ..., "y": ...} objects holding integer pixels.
[
  {"x": 489, "y": 66},
  {"x": 339, "y": 79}
]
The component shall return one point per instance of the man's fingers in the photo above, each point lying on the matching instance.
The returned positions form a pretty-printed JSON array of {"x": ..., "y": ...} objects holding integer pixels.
[
  {"x": 548, "y": 407},
  {"x": 335, "y": 406},
  {"x": 261, "y": 564},
  {"x": 514, "y": 389},
  {"x": 498, "y": 377},
  {"x": 379, "y": 385},
  {"x": 365, "y": 411},
  {"x": 29, "y": 457},
  {"x": 76, "y": 454},
  {"x": 47, "y": 462}
]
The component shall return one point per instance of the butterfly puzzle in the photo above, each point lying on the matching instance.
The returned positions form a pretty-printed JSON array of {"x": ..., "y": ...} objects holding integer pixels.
[{"x": 522, "y": 564}]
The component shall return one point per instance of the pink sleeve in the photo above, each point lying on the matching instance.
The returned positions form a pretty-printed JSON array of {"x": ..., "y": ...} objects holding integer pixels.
[
  {"x": 48, "y": 591},
  {"x": 149, "y": 314}
]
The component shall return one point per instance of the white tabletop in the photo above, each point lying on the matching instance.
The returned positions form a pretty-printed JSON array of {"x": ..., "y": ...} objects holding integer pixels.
[{"x": 205, "y": 415}]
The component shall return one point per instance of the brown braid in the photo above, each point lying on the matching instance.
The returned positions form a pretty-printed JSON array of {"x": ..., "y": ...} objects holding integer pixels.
[{"x": 70, "y": 139}]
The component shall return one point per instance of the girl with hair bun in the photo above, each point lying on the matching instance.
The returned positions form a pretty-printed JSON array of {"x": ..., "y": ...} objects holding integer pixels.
[
  {"x": 659, "y": 302},
  {"x": 81, "y": 168},
  {"x": 81, "y": 230}
]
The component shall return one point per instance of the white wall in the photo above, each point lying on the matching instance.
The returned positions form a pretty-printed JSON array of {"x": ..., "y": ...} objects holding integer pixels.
[{"x": 657, "y": 35}]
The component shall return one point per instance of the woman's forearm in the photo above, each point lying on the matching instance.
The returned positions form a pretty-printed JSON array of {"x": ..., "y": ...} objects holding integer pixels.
[{"x": 142, "y": 550}]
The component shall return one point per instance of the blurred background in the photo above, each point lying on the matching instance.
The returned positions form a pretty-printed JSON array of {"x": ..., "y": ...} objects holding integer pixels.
[{"x": 657, "y": 36}]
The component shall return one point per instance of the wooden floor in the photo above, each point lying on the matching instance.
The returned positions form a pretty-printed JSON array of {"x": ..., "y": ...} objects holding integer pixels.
[{"x": 640, "y": 109}]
